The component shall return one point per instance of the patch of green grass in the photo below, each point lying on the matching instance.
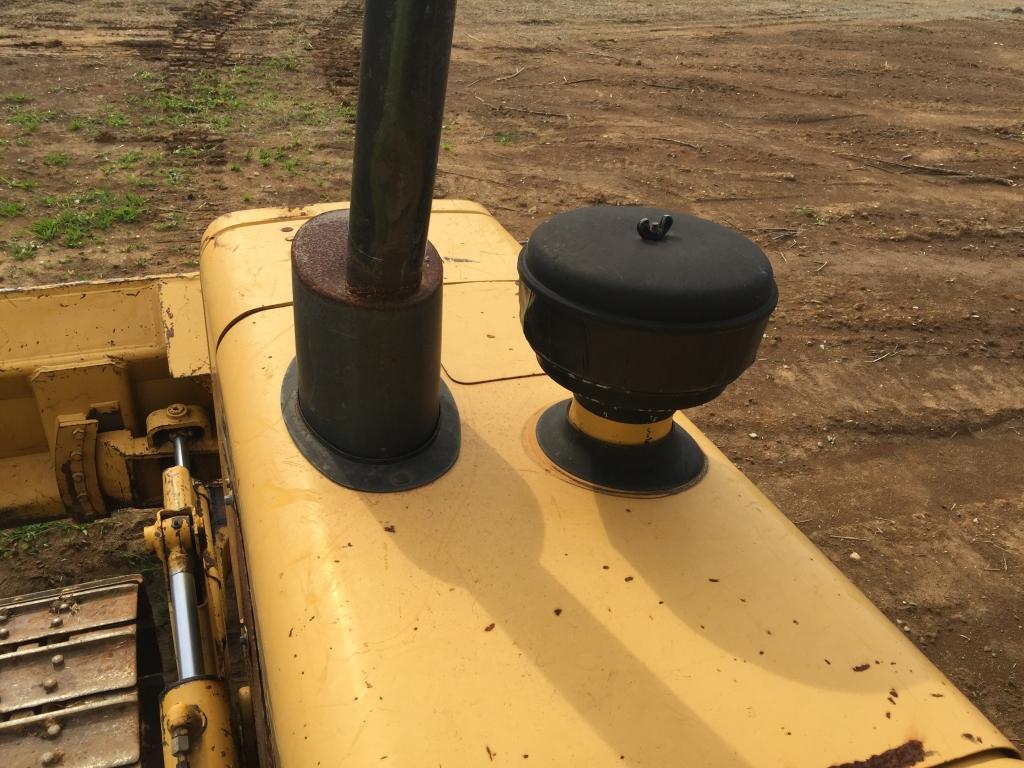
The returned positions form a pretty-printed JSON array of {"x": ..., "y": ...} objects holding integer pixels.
[
  {"x": 169, "y": 221},
  {"x": 307, "y": 112},
  {"x": 173, "y": 177},
  {"x": 446, "y": 146},
  {"x": 138, "y": 563},
  {"x": 76, "y": 124},
  {"x": 145, "y": 76},
  {"x": 246, "y": 198},
  {"x": 57, "y": 159},
  {"x": 504, "y": 137},
  {"x": 285, "y": 63},
  {"x": 112, "y": 118},
  {"x": 22, "y": 251},
  {"x": 249, "y": 74},
  {"x": 281, "y": 156},
  {"x": 234, "y": 168},
  {"x": 13, "y": 183},
  {"x": 805, "y": 210},
  {"x": 26, "y": 537},
  {"x": 202, "y": 97},
  {"x": 30, "y": 120},
  {"x": 11, "y": 208},
  {"x": 78, "y": 217},
  {"x": 15, "y": 98},
  {"x": 125, "y": 162},
  {"x": 128, "y": 159}
]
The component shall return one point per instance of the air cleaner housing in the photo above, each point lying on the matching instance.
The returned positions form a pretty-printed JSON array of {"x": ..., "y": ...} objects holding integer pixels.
[{"x": 639, "y": 313}]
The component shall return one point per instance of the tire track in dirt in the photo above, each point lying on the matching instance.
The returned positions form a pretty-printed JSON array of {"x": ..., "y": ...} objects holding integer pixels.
[
  {"x": 197, "y": 41},
  {"x": 336, "y": 48}
]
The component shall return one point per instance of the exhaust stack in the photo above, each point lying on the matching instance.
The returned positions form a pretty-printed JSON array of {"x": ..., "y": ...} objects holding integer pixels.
[{"x": 364, "y": 400}]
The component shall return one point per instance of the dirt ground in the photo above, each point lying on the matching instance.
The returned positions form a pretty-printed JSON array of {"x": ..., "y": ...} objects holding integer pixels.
[{"x": 874, "y": 149}]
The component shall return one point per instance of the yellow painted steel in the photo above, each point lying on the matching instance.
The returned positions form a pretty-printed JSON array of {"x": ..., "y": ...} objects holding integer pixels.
[
  {"x": 199, "y": 712},
  {"x": 127, "y": 345},
  {"x": 503, "y": 612},
  {"x": 616, "y": 432}
]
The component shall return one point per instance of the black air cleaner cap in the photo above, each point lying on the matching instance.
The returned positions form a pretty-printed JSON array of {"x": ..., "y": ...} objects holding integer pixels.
[
  {"x": 639, "y": 315},
  {"x": 700, "y": 274}
]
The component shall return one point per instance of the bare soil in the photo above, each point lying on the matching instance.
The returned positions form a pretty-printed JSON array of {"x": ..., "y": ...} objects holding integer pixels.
[{"x": 876, "y": 152}]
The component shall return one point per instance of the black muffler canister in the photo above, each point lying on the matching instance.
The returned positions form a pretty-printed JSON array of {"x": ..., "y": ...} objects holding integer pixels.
[{"x": 369, "y": 366}]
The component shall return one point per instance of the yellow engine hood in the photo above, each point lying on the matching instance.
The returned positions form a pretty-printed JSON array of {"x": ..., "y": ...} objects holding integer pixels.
[{"x": 503, "y": 614}]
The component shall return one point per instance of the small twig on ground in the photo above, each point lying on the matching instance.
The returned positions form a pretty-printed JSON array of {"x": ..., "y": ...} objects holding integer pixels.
[
  {"x": 506, "y": 108},
  {"x": 602, "y": 55},
  {"x": 473, "y": 38},
  {"x": 780, "y": 233},
  {"x": 474, "y": 178},
  {"x": 581, "y": 80},
  {"x": 829, "y": 118},
  {"x": 895, "y": 351},
  {"x": 505, "y": 208},
  {"x": 929, "y": 170},
  {"x": 847, "y": 538},
  {"x": 823, "y": 265},
  {"x": 667, "y": 87},
  {"x": 680, "y": 143},
  {"x": 517, "y": 73}
]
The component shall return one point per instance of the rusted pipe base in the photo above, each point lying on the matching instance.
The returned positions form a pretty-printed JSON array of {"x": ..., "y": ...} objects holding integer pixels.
[{"x": 366, "y": 387}]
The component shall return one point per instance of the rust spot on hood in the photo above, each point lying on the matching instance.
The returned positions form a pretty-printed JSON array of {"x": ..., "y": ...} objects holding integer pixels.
[{"x": 902, "y": 756}]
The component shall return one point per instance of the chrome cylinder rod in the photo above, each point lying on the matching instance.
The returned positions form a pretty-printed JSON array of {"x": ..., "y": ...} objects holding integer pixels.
[
  {"x": 188, "y": 647},
  {"x": 181, "y": 454}
]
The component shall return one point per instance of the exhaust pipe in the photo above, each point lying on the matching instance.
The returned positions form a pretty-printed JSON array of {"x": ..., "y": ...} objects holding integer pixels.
[
  {"x": 403, "y": 77},
  {"x": 364, "y": 400}
]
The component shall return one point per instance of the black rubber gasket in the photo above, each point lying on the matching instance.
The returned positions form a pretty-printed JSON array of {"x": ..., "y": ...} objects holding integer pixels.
[
  {"x": 667, "y": 465},
  {"x": 404, "y": 474}
]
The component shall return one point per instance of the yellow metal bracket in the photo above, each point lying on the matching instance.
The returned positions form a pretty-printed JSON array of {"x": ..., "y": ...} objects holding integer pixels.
[
  {"x": 111, "y": 352},
  {"x": 74, "y": 462}
]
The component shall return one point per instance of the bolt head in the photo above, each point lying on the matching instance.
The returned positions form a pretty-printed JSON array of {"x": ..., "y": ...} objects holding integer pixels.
[
  {"x": 78, "y": 477},
  {"x": 4, "y": 616},
  {"x": 4, "y": 633},
  {"x": 56, "y": 621},
  {"x": 51, "y": 758},
  {"x": 180, "y": 743},
  {"x": 78, "y": 433},
  {"x": 57, "y": 660},
  {"x": 53, "y": 730},
  {"x": 177, "y": 410},
  {"x": 76, "y": 455},
  {"x": 62, "y": 606},
  {"x": 50, "y": 684}
]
